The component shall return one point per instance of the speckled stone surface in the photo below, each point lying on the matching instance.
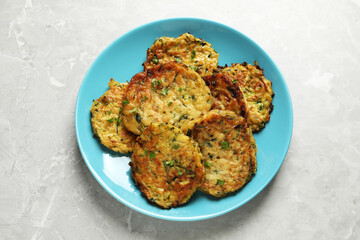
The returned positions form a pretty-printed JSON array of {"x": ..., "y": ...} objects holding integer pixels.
[{"x": 46, "y": 190}]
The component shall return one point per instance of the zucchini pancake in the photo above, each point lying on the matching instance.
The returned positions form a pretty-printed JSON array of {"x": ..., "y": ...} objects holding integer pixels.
[
  {"x": 171, "y": 93},
  {"x": 229, "y": 152},
  {"x": 227, "y": 93},
  {"x": 106, "y": 119},
  {"x": 193, "y": 52},
  {"x": 257, "y": 91},
  {"x": 166, "y": 165}
]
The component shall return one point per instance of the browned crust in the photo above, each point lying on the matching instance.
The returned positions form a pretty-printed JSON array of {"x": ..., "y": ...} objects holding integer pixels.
[{"x": 227, "y": 93}]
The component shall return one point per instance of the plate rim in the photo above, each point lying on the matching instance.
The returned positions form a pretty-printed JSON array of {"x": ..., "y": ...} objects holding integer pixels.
[{"x": 177, "y": 218}]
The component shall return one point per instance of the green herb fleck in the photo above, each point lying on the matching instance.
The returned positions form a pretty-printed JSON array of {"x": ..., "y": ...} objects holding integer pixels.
[
  {"x": 234, "y": 81},
  {"x": 146, "y": 152},
  {"x": 180, "y": 172},
  {"x": 164, "y": 91},
  {"x": 220, "y": 182},
  {"x": 134, "y": 110},
  {"x": 152, "y": 155},
  {"x": 225, "y": 145},
  {"x": 110, "y": 120},
  {"x": 155, "y": 82},
  {"x": 155, "y": 59},
  {"x": 169, "y": 104},
  {"x": 109, "y": 112},
  {"x": 144, "y": 98},
  {"x": 193, "y": 54},
  {"x": 175, "y": 146},
  {"x": 180, "y": 89},
  {"x": 125, "y": 102},
  {"x": 195, "y": 68},
  {"x": 169, "y": 163},
  {"x": 178, "y": 59},
  {"x": 207, "y": 164}
]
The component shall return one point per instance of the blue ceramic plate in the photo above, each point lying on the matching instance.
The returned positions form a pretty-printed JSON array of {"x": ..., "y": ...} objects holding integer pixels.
[{"x": 123, "y": 58}]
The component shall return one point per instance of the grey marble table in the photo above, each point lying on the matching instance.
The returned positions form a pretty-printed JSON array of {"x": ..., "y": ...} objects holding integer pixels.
[{"x": 46, "y": 190}]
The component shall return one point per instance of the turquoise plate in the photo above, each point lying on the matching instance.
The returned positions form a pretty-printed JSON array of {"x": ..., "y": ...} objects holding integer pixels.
[{"x": 123, "y": 58}]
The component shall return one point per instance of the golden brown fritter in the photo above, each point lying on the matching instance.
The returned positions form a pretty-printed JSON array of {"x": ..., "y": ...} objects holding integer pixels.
[
  {"x": 228, "y": 149},
  {"x": 226, "y": 92},
  {"x": 193, "y": 52},
  {"x": 257, "y": 91},
  {"x": 166, "y": 165},
  {"x": 106, "y": 119},
  {"x": 171, "y": 93}
]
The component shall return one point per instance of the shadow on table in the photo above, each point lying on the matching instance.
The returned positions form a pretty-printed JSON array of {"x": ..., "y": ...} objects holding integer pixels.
[{"x": 118, "y": 214}]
